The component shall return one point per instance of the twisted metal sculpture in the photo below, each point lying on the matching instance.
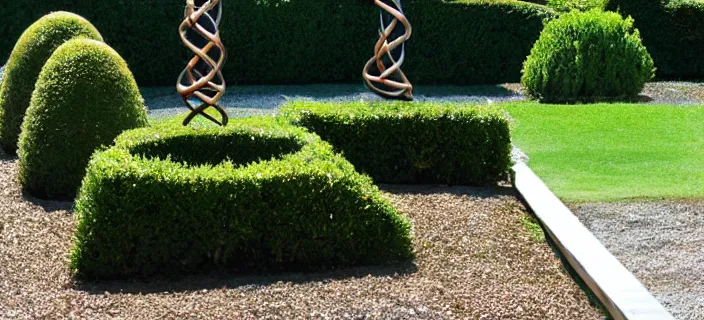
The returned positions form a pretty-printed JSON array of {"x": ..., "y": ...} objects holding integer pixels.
[
  {"x": 389, "y": 54},
  {"x": 202, "y": 78}
]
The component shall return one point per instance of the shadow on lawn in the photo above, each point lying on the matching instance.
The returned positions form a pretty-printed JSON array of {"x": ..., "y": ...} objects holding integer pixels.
[{"x": 222, "y": 280}]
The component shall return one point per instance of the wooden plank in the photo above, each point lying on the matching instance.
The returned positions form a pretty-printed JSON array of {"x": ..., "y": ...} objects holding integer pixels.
[{"x": 621, "y": 293}]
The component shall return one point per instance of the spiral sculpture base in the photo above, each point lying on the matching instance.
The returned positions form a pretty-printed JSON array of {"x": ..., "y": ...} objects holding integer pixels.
[
  {"x": 383, "y": 73},
  {"x": 200, "y": 110},
  {"x": 202, "y": 78}
]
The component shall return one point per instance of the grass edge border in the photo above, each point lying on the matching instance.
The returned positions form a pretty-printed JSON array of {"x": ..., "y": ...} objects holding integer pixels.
[{"x": 619, "y": 291}]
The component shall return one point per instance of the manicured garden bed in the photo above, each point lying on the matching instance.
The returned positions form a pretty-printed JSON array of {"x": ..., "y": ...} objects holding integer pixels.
[
  {"x": 283, "y": 216},
  {"x": 474, "y": 258}
]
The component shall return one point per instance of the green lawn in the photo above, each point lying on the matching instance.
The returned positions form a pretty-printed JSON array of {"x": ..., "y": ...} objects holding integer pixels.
[{"x": 607, "y": 152}]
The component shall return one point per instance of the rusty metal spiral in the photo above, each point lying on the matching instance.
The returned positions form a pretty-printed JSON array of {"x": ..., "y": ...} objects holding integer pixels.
[
  {"x": 383, "y": 73},
  {"x": 202, "y": 78}
]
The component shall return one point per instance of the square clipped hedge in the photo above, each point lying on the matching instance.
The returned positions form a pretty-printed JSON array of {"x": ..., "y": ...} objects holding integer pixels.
[
  {"x": 402, "y": 142},
  {"x": 260, "y": 194}
]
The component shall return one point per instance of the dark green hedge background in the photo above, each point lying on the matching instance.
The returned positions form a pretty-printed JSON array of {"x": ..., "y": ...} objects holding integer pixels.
[
  {"x": 308, "y": 41},
  {"x": 673, "y": 32}
]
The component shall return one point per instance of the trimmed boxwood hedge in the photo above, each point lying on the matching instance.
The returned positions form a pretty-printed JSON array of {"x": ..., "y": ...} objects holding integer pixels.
[
  {"x": 85, "y": 96},
  {"x": 259, "y": 194},
  {"x": 673, "y": 32},
  {"x": 403, "y": 142},
  {"x": 581, "y": 5},
  {"x": 29, "y": 55},
  {"x": 311, "y": 41}
]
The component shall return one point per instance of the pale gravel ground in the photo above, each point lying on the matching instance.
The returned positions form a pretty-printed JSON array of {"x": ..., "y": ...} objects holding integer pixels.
[
  {"x": 247, "y": 100},
  {"x": 244, "y": 100},
  {"x": 475, "y": 260},
  {"x": 661, "y": 242}
]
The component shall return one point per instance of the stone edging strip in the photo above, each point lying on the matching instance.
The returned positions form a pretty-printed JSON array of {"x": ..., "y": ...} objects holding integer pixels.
[{"x": 623, "y": 296}]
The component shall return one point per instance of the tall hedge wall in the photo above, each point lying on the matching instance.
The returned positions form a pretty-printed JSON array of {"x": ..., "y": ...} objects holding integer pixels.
[
  {"x": 673, "y": 32},
  {"x": 309, "y": 41}
]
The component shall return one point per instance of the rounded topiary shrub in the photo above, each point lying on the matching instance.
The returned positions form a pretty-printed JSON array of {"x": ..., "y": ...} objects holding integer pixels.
[
  {"x": 85, "y": 96},
  {"x": 259, "y": 194},
  {"x": 587, "y": 56},
  {"x": 32, "y": 50}
]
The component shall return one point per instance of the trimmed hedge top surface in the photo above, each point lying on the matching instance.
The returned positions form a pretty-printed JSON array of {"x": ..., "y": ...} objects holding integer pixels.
[
  {"x": 403, "y": 142},
  {"x": 31, "y": 51},
  {"x": 273, "y": 197}
]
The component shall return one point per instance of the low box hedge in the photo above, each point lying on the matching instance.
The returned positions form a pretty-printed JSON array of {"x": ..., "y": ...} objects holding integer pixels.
[
  {"x": 403, "y": 142},
  {"x": 260, "y": 194},
  {"x": 310, "y": 41}
]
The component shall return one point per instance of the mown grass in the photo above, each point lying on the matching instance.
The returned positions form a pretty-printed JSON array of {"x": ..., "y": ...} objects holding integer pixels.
[{"x": 608, "y": 152}]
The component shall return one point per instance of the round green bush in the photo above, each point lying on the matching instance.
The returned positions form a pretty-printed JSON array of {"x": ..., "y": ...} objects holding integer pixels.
[
  {"x": 85, "y": 97},
  {"x": 32, "y": 50},
  {"x": 260, "y": 194},
  {"x": 587, "y": 56}
]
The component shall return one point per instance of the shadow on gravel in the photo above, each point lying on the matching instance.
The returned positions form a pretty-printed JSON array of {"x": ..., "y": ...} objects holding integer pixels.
[
  {"x": 49, "y": 205},
  {"x": 496, "y": 91},
  {"x": 6, "y": 157},
  {"x": 222, "y": 280},
  {"x": 642, "y": 99},
  {"x": 492, "y": 191}
]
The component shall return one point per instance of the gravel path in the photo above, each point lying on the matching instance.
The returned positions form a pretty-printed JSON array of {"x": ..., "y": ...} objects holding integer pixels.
[
  {"x": 475, "y": 260},
  {"x": 253, "y": 100},
  {"x": 245, "y": 100},
  {"x": 661, "y": 242}
]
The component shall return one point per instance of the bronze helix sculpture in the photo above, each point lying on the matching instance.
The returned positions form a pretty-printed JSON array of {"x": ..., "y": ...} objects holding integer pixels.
[
  {"x": 202, "y": 78},
  {"x": 383, "y": 73}
]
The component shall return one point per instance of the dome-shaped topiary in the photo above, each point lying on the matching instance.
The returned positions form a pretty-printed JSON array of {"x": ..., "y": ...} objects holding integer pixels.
[
  {"x": 587, "y": 56},
  {"x": 32, "y": 50},
  {"x": 85, "y": 96}
]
